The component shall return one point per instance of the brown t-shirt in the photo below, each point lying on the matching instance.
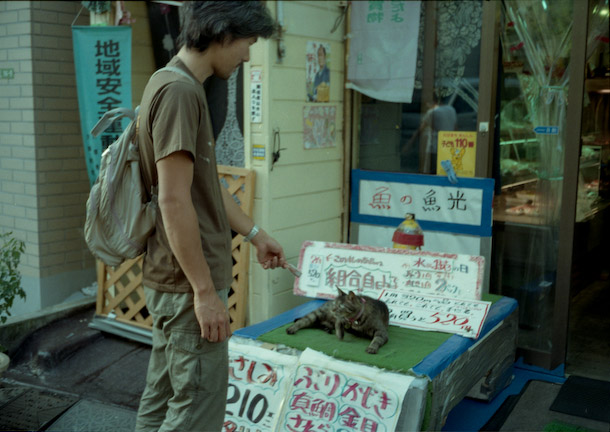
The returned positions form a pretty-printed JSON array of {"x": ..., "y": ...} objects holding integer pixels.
[{"x": 174, "y": 116}]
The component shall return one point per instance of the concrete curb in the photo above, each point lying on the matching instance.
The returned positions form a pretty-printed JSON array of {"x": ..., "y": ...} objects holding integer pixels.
[{"x": 17, "y": 329}]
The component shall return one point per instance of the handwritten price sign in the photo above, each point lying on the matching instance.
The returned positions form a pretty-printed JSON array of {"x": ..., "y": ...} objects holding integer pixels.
[
  {"x": 335, "y": 396},
  {"x": 369, "y": 270},
  {"x": 258, "y": 380},
  {"x": 443, "y": 314}
]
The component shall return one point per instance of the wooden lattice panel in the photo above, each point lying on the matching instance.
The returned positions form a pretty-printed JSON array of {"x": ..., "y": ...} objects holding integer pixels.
[{"x": 120, "y": 290}]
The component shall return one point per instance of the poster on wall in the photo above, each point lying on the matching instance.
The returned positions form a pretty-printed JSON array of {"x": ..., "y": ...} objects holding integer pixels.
[
  {"x": 319, "y": 126},
  {"x": 258, "y": 381},
  {"x": 102, "y": 61},
  {"x": 317, "y": 67},
  {"x": 460, "y": 148},
  {"x": 335, "y": 396}
]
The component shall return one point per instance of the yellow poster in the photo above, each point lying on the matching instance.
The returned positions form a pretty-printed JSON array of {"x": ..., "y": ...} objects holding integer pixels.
[{"x": 460, "y": 148}]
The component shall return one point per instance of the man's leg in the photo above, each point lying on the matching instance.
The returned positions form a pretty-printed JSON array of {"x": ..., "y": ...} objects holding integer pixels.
[
  {"x": 153, "y": 403},
  {"x": 198, "y": 370}
]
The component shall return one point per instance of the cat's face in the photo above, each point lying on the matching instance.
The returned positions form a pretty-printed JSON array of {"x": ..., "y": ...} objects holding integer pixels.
[{"x": 346, "y": 305}]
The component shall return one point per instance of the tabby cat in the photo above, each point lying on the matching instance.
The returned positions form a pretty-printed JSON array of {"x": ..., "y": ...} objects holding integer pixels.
[{"x": 362, "y": 315}]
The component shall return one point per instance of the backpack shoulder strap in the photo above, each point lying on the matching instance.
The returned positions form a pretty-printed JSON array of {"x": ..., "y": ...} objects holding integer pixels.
[
  {"x": 110, "y": 117},
  {"x": 178, "y": 71}
]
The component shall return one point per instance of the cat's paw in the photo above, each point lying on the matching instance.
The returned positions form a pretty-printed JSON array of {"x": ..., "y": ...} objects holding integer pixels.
[
  {"x": 291, "y": 330},
  {"x": 372, "y": 350}
]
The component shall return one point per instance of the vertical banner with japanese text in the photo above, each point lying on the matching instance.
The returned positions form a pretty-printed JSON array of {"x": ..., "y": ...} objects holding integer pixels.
[{"x": 102, "y": 61}]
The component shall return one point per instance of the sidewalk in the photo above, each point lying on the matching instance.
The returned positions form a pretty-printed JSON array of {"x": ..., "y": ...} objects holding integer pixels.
[{"x": 69, "y": 377}]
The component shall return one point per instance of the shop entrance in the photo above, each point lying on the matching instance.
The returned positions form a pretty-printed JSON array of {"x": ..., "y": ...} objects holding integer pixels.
[
  {"x": 550, "y": 213},
  {"x": 551, "y": 204}
]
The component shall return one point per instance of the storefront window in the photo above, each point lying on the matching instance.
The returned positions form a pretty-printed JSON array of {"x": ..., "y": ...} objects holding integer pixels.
[
  {"x": 534, "y": 81},
  {"x": 402, "y": 137}
]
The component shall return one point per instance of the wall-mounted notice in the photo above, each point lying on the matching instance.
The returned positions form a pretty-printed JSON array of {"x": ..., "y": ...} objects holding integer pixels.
[
  {"x": 371, "y": 270},
  {"x": 256, "y": 96},
  {"x": 334, "y": 396},
  {"x": 258, "y": 382},
  {"x": 442, "y": 314}
]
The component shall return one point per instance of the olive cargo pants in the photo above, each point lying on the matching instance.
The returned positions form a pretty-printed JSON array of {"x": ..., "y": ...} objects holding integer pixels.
[{"x": 187, "y": 378}]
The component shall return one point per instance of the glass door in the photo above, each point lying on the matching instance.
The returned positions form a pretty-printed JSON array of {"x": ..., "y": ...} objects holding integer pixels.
[
  {"x": 536, "y": 170},
  {"x": 589, "y": 324}
]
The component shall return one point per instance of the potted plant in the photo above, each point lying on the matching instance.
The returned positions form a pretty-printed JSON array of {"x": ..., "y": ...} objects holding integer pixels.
[{"x": 10, "y": 281}]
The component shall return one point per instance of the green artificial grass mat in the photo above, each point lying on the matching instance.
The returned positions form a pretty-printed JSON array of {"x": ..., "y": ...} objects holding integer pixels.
[
  {"x": 557, "y": 426},
  {"x": 405, "y": 347}
]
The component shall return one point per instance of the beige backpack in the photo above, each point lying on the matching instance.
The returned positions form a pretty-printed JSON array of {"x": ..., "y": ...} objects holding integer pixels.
[{"x": 120, "y": 215}]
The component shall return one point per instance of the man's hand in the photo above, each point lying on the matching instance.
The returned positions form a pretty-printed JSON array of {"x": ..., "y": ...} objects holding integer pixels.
[
  {"x": 269, "y": 253},
  {"x": 212, "y": 316}
]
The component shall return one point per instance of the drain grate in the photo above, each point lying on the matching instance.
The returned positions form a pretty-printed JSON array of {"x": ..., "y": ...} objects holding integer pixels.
[
  {"x": 31, "y": 409},
  {"x": 7, "y": 394}
]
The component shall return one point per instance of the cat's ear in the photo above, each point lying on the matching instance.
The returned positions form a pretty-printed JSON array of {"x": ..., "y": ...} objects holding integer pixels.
[
  {"x": 352, "y": 295},
  {"x": 341, "y": 293}
]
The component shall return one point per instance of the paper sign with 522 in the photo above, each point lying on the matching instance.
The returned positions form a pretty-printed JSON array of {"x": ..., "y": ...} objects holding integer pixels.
[{"x": 444, "y": 314}]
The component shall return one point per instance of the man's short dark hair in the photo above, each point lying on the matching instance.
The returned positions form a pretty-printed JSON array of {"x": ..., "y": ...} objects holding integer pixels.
[{"x": 204, "y": 22}]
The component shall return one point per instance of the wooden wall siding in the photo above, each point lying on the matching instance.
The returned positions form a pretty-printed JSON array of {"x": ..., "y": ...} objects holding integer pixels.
[
  {"x": 301, "y": 197},
  {"x": 120, "y": 290}
]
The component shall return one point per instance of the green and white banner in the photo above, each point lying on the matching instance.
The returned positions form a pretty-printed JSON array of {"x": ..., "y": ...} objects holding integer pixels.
[{"x": 102, "y": 60}]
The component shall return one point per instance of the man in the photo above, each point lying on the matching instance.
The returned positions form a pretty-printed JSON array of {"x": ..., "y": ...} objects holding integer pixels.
[
  {"x": 439, "y": 117},
  {"x": 321, "y": 82},
  {"x": 187, "y": 268}
]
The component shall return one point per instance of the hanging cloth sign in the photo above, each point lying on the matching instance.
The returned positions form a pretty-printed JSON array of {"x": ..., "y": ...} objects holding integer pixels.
[
  {"x": 383, "y": 49},
  {"x": 102, "y": 60}
]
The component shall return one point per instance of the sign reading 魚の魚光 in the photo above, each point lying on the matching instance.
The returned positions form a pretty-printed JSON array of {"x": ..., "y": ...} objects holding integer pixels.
[{"x": 423, "y": 290}]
